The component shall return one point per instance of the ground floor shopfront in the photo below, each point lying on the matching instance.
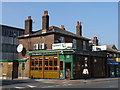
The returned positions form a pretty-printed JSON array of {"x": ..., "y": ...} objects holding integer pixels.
[
  {"x": 113, "y": 68},
  {"x": 62, "y": 64}
]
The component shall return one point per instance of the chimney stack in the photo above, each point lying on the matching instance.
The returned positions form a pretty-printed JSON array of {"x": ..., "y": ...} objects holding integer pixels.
[
  {"x": 45, "y": 22},
  {"x": 28, "y": 25},
  {"x": 62, "y": 27},
  {"x": 95, "y": 41},
  {"x": 79, "y": 28}
]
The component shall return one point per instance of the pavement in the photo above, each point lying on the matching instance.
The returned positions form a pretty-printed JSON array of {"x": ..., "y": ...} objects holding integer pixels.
[
  {"x": 57, "y": 83},
  {"x": 77, "y": 81},
  {"x": 68, "y": 81}
]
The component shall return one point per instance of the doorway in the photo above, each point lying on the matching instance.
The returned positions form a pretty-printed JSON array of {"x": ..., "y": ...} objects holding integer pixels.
[{"x": 67, "y": 70}]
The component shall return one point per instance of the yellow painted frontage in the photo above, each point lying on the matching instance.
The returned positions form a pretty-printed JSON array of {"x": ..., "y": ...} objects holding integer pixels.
[
  {"x": 36, "y": 74},
  {"x": 44, "y": 66},
  {"x": 51, "y": 74}
]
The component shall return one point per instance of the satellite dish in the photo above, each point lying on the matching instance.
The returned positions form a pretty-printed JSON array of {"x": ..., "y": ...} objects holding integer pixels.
[{"x": 20, "y": 48}]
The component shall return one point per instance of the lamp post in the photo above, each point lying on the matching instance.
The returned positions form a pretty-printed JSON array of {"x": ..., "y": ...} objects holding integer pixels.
[{"x": 14, "y": 35}]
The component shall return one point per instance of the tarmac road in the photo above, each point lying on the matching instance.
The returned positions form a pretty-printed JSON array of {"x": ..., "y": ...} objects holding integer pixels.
[{"x": 50, "y": 83}]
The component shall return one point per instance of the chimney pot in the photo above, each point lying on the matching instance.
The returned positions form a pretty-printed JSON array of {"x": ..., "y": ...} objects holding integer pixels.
[
  {"x": 45, "y": 12},
  {"x": 29, "y": 17},
  {"x": 62, "y": 27},
  {"x": 78, "y": 23},
  {"x": 94, "y": 37},
  {"x": 95, "y": 41}
]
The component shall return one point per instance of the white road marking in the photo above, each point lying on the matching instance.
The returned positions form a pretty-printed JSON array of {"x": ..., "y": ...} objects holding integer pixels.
[
  {"x": 69, "y": 84},
  {"x": 47, "y": 86},
  {"x": 31, "y": 86},
  {"x": 50, "y": 86},
  {"x": 20, "y": 87},
  {"x": 65, "y": 84},
  {"x": 57, "y": 85}
]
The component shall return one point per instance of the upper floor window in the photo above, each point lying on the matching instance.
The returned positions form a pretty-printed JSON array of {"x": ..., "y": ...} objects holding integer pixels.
[
  {"x": 39, "y": 46},
  {"x": 74, "y": 43},
  {"x": 84, "y": 45},
  {"x": 60, "y": 40}
]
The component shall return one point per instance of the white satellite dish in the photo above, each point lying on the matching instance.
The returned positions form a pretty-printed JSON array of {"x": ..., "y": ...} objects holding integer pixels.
[{"x": 20, "y": 48}]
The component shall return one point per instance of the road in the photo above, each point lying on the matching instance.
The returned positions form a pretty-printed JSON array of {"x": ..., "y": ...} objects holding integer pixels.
[{"x": 40, "y": 83}]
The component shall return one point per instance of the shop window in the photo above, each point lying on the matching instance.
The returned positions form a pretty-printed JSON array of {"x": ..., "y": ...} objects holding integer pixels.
[
  {"x": 55, "y": 58},
  {"x": 40, "y": 63},
  {"x": 50, "y": 58},
  {"x": 40, "y": 68},
  {"x": 46, "y": 68},
  {"x": 55, "y": 68},
  {"x": 40, "y": 58},
  {"x": 36, "y": 68},
  {"x": 46, "y": 63},
  {"x": 55, "y": 63},
  {"x": 50, "y": 63},
  {"x": 33, "y": 58},
  {"x": 32, "y": 63},
  {"x": 46, "y": 58},
  {"x": 36, "y": 63},
  {"x": 32, "y": 68},
  {"x": 61, "y": 65},
  {"x": 36, "y": 58},
  {"x": 50, "y": 68}
]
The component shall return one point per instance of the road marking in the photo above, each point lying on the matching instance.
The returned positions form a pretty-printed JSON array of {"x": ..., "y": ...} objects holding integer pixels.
[
  {"x": 31, "y": 86},
  {"x": 50, "y": 86},
  {"x": 20, "y": 87},
  {"x": 64, "y": 82},
  {"x": 57, "y": 85},
  {"x": 69, "y": 84},
  {"x": 47, "y": 86}
]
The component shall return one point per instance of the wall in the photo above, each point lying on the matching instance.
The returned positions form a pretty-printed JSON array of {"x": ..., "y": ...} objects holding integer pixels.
[
  {"x": 6, "y": 68},
  {"x": 28, "y": 44},
  {"x": 80, "y": 65},
  {"x": 79, "y": 42}
]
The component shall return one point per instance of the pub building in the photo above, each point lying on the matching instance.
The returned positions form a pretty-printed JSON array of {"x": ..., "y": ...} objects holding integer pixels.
[{"x": 54, "y": 52}]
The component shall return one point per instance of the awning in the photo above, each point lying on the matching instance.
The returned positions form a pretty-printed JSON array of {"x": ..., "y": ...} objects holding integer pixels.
[{"x": 111, "y": 62}]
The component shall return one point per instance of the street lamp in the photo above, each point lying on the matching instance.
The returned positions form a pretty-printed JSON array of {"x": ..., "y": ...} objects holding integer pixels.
[{"x": 14, "y": 35}]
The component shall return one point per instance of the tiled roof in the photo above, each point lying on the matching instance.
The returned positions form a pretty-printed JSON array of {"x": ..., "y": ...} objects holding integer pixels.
[
  {"x": 54, "y": 29},
  {"x": 112, "y": 48}
]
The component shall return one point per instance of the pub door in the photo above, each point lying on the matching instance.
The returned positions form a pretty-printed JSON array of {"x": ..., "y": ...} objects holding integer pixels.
[{"x": 67, "y": 70}]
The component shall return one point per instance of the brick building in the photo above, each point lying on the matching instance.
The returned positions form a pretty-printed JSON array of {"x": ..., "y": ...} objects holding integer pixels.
[
  {"x": 51, "y": 51},
  {"x": 113, "y": 57}
]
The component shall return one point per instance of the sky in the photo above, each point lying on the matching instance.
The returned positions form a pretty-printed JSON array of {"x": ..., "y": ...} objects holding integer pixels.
[{"x": 98, "y": 18}]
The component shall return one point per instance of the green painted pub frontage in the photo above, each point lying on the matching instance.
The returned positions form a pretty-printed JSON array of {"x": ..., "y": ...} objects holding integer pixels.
[{"x": 67, "y": 63}]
